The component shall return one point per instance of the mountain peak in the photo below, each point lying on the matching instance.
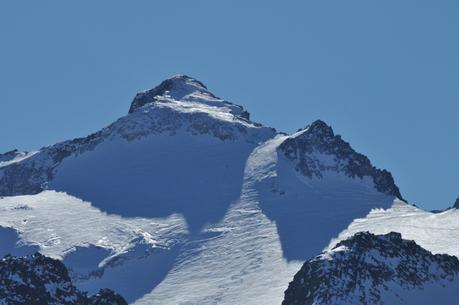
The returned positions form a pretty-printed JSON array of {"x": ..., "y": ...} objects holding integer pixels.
[
  {"x": 309, "y": 146},
  {"x": 319, "y": 124},
  {"x": 189, "y": 94},
  {"x": 317, "y": 129},
  {"x": 176, "y": 87}
]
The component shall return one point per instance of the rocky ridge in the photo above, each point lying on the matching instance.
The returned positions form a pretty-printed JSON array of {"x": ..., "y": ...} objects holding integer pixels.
[
  {"x": 456, "y": 204},
  {"x": 37, "y": 280},
  {"x": 316, "y": 149},
  {"x": 372, "y": 269}
]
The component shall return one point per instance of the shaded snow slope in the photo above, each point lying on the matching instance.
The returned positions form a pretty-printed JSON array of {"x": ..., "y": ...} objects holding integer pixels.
[
  {"x": 233, "y": 261},
  {"x": 376, "y": 269},
  {"x": 247, "y": 251},
  {"x": 186, "y": 201},
  {"x": 310, "y": 209},
  {"x": 196, "y": 176},
  {"x": 11, "y": 242}
]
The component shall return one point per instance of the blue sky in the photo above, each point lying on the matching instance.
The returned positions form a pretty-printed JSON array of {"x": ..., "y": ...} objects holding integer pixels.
[{"x": 384, "y": 74}]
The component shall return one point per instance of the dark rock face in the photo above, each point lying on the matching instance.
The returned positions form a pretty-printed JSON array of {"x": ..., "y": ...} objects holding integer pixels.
[
  {"x": 318, "y": 141},
  {"x": 30, "y": 175},
  {"x": 365, "y": 266},
  {"x": 20, "y": 180},
  {"x": 9, "y": 155},
  {"x": 39, "y": 280},
  {"x": 456, "y": 204}
]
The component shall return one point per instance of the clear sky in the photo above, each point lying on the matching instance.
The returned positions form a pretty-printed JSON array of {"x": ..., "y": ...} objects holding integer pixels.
[{"x": 384, "y": 74}]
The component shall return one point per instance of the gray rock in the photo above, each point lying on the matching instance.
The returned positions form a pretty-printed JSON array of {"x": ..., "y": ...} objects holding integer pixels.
[
  {"x": 319, "y": 139},
  {"x": 365, "y": 266},
  {"x": 40, "y": 280},
  {"x": 456, "y": 203}
]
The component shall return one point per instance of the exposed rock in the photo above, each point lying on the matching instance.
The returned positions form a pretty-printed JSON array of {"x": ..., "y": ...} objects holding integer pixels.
[
  {"x": 10, "y": 155},
  {"x": 456, "y": 203},
  {"x": 176, "y": 87},
  {"x": 39, "y": 280},
  {"x": 183, "y": 87},
  {"x": 370, "y": 269},
  {"x": 316, "y": 149}
]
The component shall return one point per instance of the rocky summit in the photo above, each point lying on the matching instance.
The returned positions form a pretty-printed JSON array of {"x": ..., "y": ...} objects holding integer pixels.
[{"x": 316, "y": 149}]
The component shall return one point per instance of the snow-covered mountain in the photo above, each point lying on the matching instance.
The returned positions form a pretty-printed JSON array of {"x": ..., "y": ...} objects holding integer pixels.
[
  {"x": 376, "y": 269},
  {"x": 185, "y": 200},
  {"x": 38, "y": 280}
]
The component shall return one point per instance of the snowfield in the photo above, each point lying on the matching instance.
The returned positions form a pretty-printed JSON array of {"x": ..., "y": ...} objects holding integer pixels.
[
  {"x": 436, "y": 232},
  {"x": 56, "y": 222},
  {"x": 99, "y": 249}
]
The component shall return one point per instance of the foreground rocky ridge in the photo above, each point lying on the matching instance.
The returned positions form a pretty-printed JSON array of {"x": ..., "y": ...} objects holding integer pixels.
[
  {"x": 376, "y": 269},
  {"x": 39, "y": 280}
]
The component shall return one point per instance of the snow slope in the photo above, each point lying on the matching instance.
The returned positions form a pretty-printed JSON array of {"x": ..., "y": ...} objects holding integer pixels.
[
  {"x": 436, "y": 232},
  {"x": 91, "y": 242},
  {"x": 185, "y": 200}
]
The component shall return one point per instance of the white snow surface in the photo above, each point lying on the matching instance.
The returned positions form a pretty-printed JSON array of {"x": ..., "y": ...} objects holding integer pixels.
[
  {"x": 57, "y": 222},
  {"x": 436, "y": 232}
]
